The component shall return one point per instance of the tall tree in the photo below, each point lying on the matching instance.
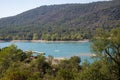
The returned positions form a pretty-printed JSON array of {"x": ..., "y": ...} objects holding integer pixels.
[{"x": 108, "y": 44}]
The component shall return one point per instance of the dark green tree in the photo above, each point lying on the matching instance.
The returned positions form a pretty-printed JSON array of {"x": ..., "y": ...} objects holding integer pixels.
[{"x": 107, "y": 44}]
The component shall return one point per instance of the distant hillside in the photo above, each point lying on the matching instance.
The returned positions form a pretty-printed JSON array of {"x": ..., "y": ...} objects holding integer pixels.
[{"x": 61, "y": 22}]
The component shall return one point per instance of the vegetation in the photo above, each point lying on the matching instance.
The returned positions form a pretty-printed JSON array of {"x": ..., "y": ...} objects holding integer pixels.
[
  {"x": 107, "y": 45},
  {"x": 61, "y": 22},
  {"x": 18, "y": 65}
]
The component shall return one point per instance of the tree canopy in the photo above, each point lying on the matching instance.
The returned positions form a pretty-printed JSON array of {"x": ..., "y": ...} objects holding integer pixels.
[{"x": 107, "y": 44}]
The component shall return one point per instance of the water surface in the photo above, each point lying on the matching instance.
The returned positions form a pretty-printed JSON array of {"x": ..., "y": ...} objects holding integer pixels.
[{"x": 56, "y": 49}]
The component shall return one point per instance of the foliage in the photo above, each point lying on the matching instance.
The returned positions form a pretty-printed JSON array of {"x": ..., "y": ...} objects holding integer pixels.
[
  {"x": 108, "y": 45},
  {"x": 61, "y": 22},
  {"x": 16, "y": 64}
]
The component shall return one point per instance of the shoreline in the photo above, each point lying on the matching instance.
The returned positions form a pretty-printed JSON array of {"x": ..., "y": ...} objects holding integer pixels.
[{"x": 38, "y": 41}]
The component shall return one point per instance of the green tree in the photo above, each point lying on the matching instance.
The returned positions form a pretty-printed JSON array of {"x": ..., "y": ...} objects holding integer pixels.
[
  {"x": 35, "y": 36},
  {"x": 16, "y": 76},
  {"x": 42, "y": 65},
  {"x": 10, "y": 55},
  {"x": 107, "y": 44},
  {"x": 93, "y": 72},
  {"x": 64, "y": 74}
]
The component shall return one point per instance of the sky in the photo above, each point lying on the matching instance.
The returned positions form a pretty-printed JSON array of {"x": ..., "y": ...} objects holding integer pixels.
[{"x": 14, "y": 7}]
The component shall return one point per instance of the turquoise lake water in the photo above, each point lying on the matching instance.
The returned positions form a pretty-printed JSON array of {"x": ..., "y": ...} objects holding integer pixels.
[{"x": 56, "y": 49}]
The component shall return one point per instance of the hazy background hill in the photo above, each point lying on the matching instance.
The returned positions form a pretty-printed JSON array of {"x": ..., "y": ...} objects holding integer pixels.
[{"x": 61, "y": 22}]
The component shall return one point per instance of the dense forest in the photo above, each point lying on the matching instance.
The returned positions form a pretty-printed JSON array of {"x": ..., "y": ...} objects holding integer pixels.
[
  {"x": 61, "y": 22},
  {"x": 16, "y": 64}
]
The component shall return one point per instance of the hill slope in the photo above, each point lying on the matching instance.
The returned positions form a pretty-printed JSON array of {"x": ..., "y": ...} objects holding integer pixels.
[{"x": 61, "y": 22}]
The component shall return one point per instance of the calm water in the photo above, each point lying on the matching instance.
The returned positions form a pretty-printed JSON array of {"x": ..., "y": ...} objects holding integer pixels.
[{"x": 56, "y": 49}]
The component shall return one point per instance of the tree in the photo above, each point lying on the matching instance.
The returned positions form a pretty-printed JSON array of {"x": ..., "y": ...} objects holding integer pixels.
[
  {"x": 16, "y": 75},
  {"x": 108, "y": 45},
  {"x": 64, "y": 74},
  {"x": 42, "y": 65},
  {"x": 35, "y": 36},
  {"x": 98, "y": 70}
]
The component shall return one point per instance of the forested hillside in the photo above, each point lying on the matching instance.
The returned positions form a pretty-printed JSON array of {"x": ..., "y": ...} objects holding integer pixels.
[{"x": 61, "y": 22}]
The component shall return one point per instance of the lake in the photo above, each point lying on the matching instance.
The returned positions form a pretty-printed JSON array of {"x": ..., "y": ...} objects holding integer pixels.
[{"x": 56, "y": 49}]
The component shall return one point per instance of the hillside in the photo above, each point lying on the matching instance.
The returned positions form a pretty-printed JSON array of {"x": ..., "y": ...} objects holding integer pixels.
[{"x": 61, "y": 22}]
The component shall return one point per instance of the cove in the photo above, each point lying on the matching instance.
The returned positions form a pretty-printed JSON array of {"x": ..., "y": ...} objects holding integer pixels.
[{"x": 55, "y": 49}]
